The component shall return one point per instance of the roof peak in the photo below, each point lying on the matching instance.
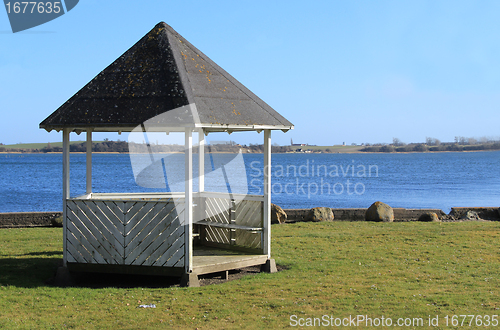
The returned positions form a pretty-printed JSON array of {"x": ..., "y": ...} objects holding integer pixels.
[{"x": 162, "y": 72}]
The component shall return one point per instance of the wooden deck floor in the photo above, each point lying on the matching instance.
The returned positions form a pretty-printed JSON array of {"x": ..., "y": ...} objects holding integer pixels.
[
  {"x": 210, "y": 260},
  {"x": 206, "y": 260}
]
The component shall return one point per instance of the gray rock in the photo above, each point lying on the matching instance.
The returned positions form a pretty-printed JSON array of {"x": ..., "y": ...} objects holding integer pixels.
[
  {"x": 318, "y": 214},
  {"x": 277, "y": 214},
  {"x": 470, "y": 215},
  {"x": 57, "y": 222},
  {"x": 429, "y": 217},
  {"x": 379, "y": 211}
]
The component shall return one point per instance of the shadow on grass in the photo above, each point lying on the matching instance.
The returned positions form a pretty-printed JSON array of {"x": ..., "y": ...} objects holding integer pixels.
[
  {"x": 103, "y": 280},
  {"x": 38, "y": 254},
  {"x": 28, "y": 271}
]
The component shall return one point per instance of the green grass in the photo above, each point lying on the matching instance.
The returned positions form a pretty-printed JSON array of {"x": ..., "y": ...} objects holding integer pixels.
[{"x": 407, "y": 270}]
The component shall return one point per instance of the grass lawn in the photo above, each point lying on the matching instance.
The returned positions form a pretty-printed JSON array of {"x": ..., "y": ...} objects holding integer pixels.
[{"x": 390, "y": 270}]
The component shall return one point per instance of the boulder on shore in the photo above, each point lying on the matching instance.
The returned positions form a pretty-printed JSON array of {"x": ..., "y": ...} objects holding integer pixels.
[
  {"x": 429, "y": 217},
  {"x": 277, "y": 214},
  {"x": 57, "y": 222},
  {"x": 470, "y": 215},
  {"x": 379, "y": 211},
  {"x": 318, "y": 214}
]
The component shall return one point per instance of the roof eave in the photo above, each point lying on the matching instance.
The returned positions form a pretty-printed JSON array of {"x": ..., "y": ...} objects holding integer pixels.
[{"x": 177, "y": 128}]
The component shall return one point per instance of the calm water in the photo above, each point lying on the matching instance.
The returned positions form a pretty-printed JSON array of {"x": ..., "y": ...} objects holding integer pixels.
[{"x": 33, "y": 182}]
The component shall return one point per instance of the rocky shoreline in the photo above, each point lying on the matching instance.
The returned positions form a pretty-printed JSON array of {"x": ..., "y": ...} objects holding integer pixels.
[
  {"x": 399, "y": 214},
  {"x": 50, "y": 219}
]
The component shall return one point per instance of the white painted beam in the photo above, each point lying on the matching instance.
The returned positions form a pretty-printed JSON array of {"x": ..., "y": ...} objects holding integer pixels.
[
  {"x": 267, "y": 193},
  {"x": 201, "y": 161},
  {"x": 188, "y": 211},
  {"x": 66, "y": 192},
  {"x": 200, "y": 201},
  {"x": 89, "y": 162}
]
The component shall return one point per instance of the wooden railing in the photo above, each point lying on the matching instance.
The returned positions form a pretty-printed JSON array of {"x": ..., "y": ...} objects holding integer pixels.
[
  {"x": 150, "y": 229},
  {"x": 133, "y": 232},
  {"x": 231, "y": 219}
]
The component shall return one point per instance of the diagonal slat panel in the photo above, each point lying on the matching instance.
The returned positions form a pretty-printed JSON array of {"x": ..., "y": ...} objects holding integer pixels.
[
  {"x": 248, "y": 239},
  {"x": 116, "y": 219},
  {"x": 96, "y": 231},
  {"x": 137, "y": 223},
  {"x": 69, "y": 256},
  {"x": 177, "y": 259},
  {"x": 74, "y": 238},
  {"x": 247, "y": 213},
  {"x": 218, "y": 235},
  {"x": 100, "y": 240},
  {"x": 161, "y": 244},
  {"x": 101, "y": 221},
  {"x": 78, "y": 255},
  {"x": 167, "y": 256},
  {"x": 103, "y": 232},
  {"x": 243, "y": 212},
  {"x": 144, "y": 228},
  {"x": 79, "y": 225},
  {"x": 127, "y": 206},
  {"x": 224, "y": 209},
  {"x": 80, "y": 250},
  {"x": 140, "y": 247},
  {"x": 117, "y": 208},
  {"x": 162, "y": 240},
  {"x": 218, "y": 210},
  {"x": 133, "y": 209},
  {"x": 242, "y": 209},
  {"x": 121, "y": 208},
  {"x": 258, "y": 214},
  {"x": 250, "y": 214}
]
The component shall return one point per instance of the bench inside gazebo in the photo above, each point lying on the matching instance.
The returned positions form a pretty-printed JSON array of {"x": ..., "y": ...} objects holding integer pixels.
[{"x": 165, "y": 84}]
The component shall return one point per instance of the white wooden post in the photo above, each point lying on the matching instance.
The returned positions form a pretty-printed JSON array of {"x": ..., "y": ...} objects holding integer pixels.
[
  {"x": 201, "y": 161},
  {"x": 200, "y": 207},
  {"x": 89, "y": 161},
  {"x": 66, "y": 191},
  {"x": 188, "y": 211},
  {"x": 267, "y": 193}
]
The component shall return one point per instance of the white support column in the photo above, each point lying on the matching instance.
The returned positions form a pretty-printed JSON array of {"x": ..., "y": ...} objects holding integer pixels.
[
  {"x": 201, "y": 161},
  {"x": 89, "y": 161},
  {"x": 188, "y": 211},
  {"x": 200, "y": 213},
  {"x": 66, "y": 192},
  {"x": 267, "y": 193}
]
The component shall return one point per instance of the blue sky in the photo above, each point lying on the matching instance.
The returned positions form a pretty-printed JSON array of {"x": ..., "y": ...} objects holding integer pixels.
[{"x": 340, "y": 71}]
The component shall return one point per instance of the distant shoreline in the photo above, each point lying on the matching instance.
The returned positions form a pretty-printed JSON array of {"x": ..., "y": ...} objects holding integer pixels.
[
  {"x": 106, "y": 146},
  {"x": 114, "y": 147},
  {"x": 227, "y": 152}
]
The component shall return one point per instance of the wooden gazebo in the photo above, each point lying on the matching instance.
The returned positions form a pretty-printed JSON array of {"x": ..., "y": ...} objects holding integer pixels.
[{"x": 168, "y": 233}]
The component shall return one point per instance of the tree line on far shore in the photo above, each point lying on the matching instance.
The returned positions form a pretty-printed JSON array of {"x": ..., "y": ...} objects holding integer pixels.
[
  {"x": 125, "y": 147},
  {"x": 432, "y": 144},
  {"x": 105, "y": 146}
]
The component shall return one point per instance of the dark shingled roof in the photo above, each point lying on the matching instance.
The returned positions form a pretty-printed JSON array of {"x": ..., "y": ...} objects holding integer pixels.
[{"x": 161, "y": 72}]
